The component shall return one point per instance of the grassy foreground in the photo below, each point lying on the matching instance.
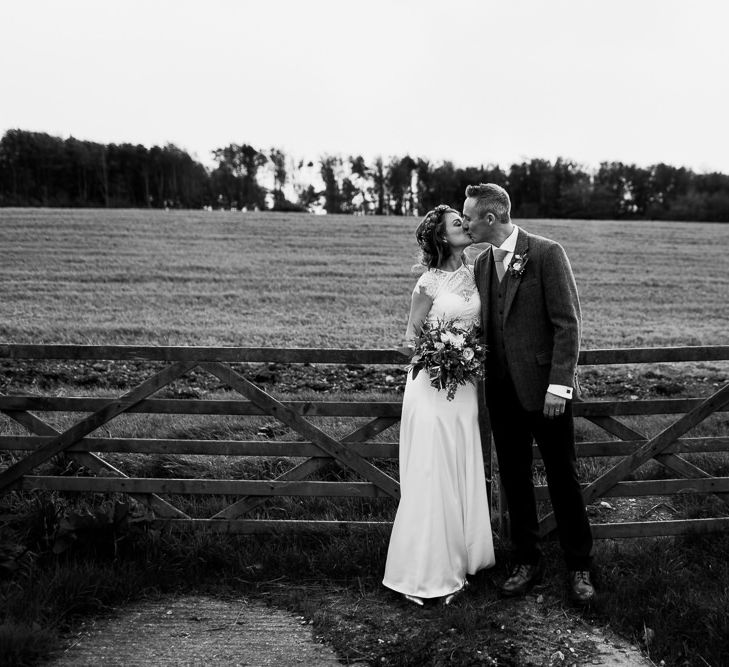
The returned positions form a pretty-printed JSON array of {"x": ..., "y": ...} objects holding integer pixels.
[{"x": 653, "y": 591}]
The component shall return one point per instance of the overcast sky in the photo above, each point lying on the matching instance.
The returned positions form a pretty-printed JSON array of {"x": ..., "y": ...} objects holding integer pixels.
[{"x": 477, "y": 82}]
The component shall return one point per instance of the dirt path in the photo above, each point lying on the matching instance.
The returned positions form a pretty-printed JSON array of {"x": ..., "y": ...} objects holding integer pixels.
[
  {"x": 557, "y": 637},
  {"x": 196, "y": 631},
  {"x": 207, "y": 631}
]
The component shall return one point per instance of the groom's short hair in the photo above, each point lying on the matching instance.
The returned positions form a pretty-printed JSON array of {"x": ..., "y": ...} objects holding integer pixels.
[{"x": 491, "y": 198}]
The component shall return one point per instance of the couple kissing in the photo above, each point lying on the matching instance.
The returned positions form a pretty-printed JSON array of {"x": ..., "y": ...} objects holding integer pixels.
[{"x": 520, "y": 299}]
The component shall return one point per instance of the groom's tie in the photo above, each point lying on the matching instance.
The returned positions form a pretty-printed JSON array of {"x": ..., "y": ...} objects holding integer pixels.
[{"x": 499, "y": 256}]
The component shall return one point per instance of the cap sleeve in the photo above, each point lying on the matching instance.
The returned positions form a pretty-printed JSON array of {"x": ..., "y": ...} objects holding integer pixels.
[{"x": 427, "y": 284}]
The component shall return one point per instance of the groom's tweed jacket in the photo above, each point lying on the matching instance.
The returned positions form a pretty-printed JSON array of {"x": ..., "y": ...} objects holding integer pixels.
[{"x": 541, "y": 320}]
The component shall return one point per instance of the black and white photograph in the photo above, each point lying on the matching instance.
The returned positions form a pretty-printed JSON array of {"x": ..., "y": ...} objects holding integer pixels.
[{"x": 385, "y": 333}]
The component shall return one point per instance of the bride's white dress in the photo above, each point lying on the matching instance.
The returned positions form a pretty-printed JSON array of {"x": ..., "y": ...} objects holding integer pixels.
[{"x": 442, "y": 529}]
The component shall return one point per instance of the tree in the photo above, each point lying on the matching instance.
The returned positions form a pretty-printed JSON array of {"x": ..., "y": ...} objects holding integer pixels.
[
  {"x": 37, "y": 169},
  {"x": 399, "y": 180},
  {"x": 610, "y": 191},
  {"x": 529, "y": 187},
  {"x": 474, "y": 175},
  {"x": 278, "y": 160},
  {"x": 379, "y": 186},
  {"x": 362, "y": 186},
  {"x": 424, "y": 176},
  {"x": 237, "y": 175},
  {"x": 446, "y": 188},
  {"x": 669, "y": 183},
  {"x": 254, "y": 195},
  {"x": 308, "y": 198},
  {"x": 330, "y": 169}
]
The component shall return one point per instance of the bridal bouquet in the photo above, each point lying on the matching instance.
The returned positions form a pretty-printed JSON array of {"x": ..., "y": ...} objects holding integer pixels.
[{"x": 451, "y": 355}]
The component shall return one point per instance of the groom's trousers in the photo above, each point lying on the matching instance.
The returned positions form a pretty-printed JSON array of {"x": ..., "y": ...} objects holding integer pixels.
[{"x": 514, "y": 430}]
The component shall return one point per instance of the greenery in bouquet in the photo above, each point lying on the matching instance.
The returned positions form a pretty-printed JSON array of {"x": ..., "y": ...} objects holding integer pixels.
[{"x": 451, "y": 355}]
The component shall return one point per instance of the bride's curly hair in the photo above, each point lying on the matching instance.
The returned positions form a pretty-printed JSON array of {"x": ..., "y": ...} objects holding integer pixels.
[{"x": 434, "y": 248}]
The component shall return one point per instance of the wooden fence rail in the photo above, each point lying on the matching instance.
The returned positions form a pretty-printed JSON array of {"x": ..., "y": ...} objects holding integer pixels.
[{"x": 360, "y": 452}]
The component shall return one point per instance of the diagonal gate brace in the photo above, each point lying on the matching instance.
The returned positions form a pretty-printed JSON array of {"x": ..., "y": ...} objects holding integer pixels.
[
  {"x": 96, "y": 464},
  {"x": 673, "y": 462},
  {"x": 112, "y": 409},
  {"x": 649, "y": 450},
  {"x": 308, "y": 467},
  {"x": 316, "y": 436}
]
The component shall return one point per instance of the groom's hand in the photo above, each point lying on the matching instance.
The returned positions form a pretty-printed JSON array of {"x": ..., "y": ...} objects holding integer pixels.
[{"x": 553, "y": 405}]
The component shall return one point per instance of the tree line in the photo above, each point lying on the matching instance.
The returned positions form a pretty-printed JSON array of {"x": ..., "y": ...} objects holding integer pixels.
[{"x": 37, "y": 169}]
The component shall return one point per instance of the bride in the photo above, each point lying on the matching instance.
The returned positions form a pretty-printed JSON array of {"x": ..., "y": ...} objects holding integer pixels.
[{"x": 442, "y": 529}]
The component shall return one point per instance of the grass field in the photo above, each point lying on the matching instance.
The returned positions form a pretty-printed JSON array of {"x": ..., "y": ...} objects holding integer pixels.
[
  {"x": 266, "y": 279},
  {"x": 304, "y": 281}
]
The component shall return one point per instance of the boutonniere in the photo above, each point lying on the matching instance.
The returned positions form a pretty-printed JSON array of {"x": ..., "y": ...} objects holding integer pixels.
[{"x": 518, "y": 264}]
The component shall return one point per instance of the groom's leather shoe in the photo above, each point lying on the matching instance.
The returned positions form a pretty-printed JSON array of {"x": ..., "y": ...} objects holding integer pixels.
[
  {"x": 522, "y": 578},
  {"x": 581, "y": 589}
]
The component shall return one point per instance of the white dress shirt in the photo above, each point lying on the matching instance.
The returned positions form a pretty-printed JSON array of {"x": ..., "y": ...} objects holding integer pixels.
[{"x": 510, "y": 245}]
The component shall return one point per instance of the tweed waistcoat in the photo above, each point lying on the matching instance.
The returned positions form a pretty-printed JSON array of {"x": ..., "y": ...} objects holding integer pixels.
[{"x": 497, "y": 366}]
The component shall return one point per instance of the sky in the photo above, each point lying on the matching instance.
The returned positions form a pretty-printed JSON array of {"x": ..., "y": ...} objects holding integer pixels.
[{"x": 474, "y": 82}]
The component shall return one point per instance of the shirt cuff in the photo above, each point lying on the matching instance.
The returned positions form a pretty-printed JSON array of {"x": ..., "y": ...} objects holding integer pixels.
[{"x": 560, "y": 390}]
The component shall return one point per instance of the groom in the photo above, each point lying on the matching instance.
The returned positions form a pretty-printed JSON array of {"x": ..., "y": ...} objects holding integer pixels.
[{"x": 531, "y": 320}]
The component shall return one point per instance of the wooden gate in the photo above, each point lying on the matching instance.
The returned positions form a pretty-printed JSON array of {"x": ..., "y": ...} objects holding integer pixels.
[
  {"x": 351, "y": 452},
  {"x": 354, "y": 452},
  {"x": 665, "y": 447}
]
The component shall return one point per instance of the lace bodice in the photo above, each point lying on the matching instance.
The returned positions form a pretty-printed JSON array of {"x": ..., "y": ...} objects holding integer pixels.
[{"x": 454, "y": 295}]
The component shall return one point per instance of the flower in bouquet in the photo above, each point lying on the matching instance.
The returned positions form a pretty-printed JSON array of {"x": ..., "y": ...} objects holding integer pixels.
[
  {"x": 451, "y": 355},
  {"x": 457, "y": 340}
]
